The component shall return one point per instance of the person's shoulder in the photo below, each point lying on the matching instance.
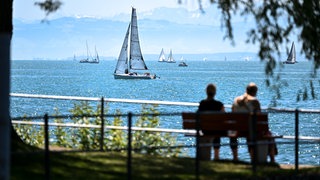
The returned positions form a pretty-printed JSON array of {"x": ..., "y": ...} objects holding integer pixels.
[
  {"x": 203, "y": 101},
  {"x": 218, "y": 102},
  {"x": 238, "y": 98},
  {"x": 254, "y": 101}
]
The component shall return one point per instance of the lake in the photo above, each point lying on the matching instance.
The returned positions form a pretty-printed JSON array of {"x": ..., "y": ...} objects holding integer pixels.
[{"x": 181, "y": 84}]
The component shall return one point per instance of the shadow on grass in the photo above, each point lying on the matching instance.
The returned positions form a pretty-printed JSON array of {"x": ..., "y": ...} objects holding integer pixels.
[
  {"x": 113, "y": 165},
  {"x": 27, "y": 162}
]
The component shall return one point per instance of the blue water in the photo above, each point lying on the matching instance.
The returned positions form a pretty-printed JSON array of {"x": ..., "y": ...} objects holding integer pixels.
[{"x": 187, "y": 84}]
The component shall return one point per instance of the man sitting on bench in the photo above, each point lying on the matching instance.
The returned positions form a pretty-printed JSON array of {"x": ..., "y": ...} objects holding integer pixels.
[{"x": 249, "y": 103}]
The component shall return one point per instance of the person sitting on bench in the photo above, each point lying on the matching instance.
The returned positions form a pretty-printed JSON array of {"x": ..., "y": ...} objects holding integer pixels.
[
  {"x": 249, "y": 103},
  {"x": 210, "y": 104}
]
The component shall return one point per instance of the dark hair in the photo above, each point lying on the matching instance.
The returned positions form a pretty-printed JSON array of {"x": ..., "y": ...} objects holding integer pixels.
[
  {"x": 211, "y": 90},
  {"x": 252, "y": 89}
]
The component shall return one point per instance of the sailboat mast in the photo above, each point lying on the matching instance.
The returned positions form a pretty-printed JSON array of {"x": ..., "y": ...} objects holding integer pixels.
[{"x": 87, "y": 50}]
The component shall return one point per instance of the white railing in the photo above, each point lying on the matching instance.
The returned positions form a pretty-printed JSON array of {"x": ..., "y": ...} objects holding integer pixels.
[{"x": 129, "y": 128}]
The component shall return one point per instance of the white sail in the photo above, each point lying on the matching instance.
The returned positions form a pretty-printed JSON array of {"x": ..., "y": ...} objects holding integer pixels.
[
  {"x": 170, "y": 58},
  {"x": 162, "y": 57},
  {"x": 136, "y": 59},
  {"x": 97, "y": 56},
  {"x": 122, "y": 64}
]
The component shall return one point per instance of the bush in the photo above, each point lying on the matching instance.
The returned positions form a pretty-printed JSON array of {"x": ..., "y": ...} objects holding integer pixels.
[{"x": 147, "y": 142}]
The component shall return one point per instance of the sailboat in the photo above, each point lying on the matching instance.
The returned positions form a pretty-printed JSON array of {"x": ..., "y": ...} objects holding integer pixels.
[
  {"x": 89, "y": 58},
  {"x": 170, "y": 58},
  {"x": 292, "y": 55},
  {"x": 86, "y": 60},
  {"x": 162, "y": 57},
  {"x": 130, "y": 57}
]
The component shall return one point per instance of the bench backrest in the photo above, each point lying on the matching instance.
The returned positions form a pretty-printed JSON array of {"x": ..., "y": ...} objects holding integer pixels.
[{"x": 222, "y": 122}]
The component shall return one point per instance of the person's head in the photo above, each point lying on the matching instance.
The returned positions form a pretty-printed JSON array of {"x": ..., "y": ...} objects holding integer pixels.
[
  {"x": 211, "y": 90},
  {"x": 252, "y": 89}
]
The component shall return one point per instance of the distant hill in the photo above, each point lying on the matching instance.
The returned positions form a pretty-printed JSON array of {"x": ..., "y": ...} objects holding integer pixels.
[{"x": 65, "y": 37}]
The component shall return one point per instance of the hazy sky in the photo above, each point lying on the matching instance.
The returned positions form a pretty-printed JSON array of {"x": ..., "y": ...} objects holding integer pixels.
[{"x": 25, "y": 9}]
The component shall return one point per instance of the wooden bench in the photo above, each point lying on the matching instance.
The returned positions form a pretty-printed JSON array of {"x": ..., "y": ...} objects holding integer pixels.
[
  {"x": 253, "y": 126},
  {"x": 228, "y": 124}
]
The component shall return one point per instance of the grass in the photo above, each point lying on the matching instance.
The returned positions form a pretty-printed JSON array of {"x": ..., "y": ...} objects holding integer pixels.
[
  {"x": 27, "y": 162},
  {"x": 113, "y": 165}
]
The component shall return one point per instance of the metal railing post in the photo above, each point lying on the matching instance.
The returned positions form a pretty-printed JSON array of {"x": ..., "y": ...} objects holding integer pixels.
[
  {"x": 129, "y": 145},
  {"x": 102, "y": 124},
  {"x": 296, "y": 140},
  {"x": 46, "y": 144},
  {"x": 197, "y": 144}
]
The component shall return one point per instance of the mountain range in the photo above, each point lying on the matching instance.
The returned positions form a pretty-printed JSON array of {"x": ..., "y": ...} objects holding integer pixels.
[{"x": 193, "y": 38}]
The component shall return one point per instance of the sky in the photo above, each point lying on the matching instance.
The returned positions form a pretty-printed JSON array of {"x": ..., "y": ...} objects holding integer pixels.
[
  {"x": 25, "y": 9},
  {"x": 186, "y": 12}
]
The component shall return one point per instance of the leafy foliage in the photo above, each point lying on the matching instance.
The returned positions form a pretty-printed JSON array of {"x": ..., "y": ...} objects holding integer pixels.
[
  {"x": 49, "y": 6},
  {"x": 142, "y": 140},
  {"x": 116, "y": 138},
  {"x": 277, "y": 21},
  {"x": 31, "y": 134},
  {"x": 61, "y": 136},
  {"x": 86, "y": 138}
]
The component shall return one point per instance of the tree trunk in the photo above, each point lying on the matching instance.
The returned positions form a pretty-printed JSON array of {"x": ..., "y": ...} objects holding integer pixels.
[{"x": 5, "y": 124}]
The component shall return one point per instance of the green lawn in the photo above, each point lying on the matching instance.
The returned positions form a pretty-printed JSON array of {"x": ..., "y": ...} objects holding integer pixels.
[{"x": 113, "y": 165}]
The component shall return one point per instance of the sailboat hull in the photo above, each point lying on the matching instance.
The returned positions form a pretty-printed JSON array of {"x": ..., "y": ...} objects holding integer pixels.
[
  {"x": 289, "y": 62},
  {"x": 134, "y": 76}
]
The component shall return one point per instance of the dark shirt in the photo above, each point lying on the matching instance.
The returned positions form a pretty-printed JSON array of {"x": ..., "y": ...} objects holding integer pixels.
[{"x": 210, "y": 105}]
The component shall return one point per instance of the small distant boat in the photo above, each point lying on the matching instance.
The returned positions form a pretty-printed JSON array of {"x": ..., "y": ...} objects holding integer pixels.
[
  {"x": 89, "y": 58},
  {"x": 86, "y": 60},
  {"x": 162, "y": 57},
  {"x": 170, "y": 58},
  {"x": 182, "y": 63},
  {"x": 292, "y": 55},
  {"x": 130, "y": 57},
  {"x": 247, "y": 58}
]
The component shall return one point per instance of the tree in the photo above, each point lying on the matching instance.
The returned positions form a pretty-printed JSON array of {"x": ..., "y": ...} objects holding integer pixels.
[
  {"x": 5, "y": 43},
  {"x": 276, "y": 21}
]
